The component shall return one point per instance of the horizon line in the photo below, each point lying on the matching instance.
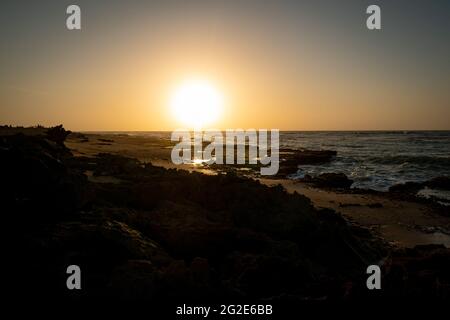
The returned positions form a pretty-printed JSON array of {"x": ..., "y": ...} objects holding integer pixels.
[{"x": 289, "y": 130}]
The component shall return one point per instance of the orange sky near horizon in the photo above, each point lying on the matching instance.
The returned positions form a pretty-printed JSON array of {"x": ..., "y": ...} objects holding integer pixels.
[{"x": 275, "y": 69}]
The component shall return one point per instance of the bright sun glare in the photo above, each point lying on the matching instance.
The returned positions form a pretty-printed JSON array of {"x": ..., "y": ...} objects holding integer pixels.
[{"x": 196, "y": 103}]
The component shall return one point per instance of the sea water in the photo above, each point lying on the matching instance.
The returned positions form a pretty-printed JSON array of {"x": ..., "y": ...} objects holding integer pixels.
[{"x": 378, "y": 159}]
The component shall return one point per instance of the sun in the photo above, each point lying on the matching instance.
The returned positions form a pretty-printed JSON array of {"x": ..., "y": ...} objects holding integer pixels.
[{"x": 196, "y": 103}]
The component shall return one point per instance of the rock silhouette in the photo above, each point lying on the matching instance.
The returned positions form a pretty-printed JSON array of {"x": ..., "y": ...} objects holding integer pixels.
[
  {"x": 163, "y": 234},
  {"x": 329, "y": 180}
]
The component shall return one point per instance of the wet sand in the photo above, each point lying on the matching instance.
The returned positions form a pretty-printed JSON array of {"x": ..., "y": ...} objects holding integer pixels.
[{"x": 402, "y": 223}]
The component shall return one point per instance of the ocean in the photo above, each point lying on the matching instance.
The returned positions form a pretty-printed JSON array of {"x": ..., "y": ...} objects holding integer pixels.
[{"x": 377, "y": 159}]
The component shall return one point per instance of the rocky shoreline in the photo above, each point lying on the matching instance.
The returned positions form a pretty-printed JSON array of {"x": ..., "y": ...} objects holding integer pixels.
[{"x": 147, "y": 232}]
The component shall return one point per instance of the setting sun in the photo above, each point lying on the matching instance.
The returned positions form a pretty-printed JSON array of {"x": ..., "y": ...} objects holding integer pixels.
[{"x": 196, "y": 103}]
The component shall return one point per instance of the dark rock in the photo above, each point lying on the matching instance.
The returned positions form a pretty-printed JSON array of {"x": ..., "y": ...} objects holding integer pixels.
[
  {"x": 315, "y": 156},
  {"x": 115, "y": 165},
  {"x": 200, "y": 270},
  {"x": 36, "y": 183},
  {"x": 330, "y": 180},
  {"x": 134, "y": 280},
  {"x": 408, "y": 187},
  {"x": 187, "y": 232},
  {"x": 290, "y": 159},
  {"x": 57, "y": 134},
  {"x": 132, "y": 241},
  {"x": 441, "y": 183},
  {"x": 418, "y": 272}
]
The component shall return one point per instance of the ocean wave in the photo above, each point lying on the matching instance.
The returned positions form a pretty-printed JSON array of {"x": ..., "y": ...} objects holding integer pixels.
[{"x": 403, "y": 159}]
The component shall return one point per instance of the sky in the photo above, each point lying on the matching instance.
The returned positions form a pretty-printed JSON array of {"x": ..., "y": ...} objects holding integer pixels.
[{"x": 288, "y": 65}]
